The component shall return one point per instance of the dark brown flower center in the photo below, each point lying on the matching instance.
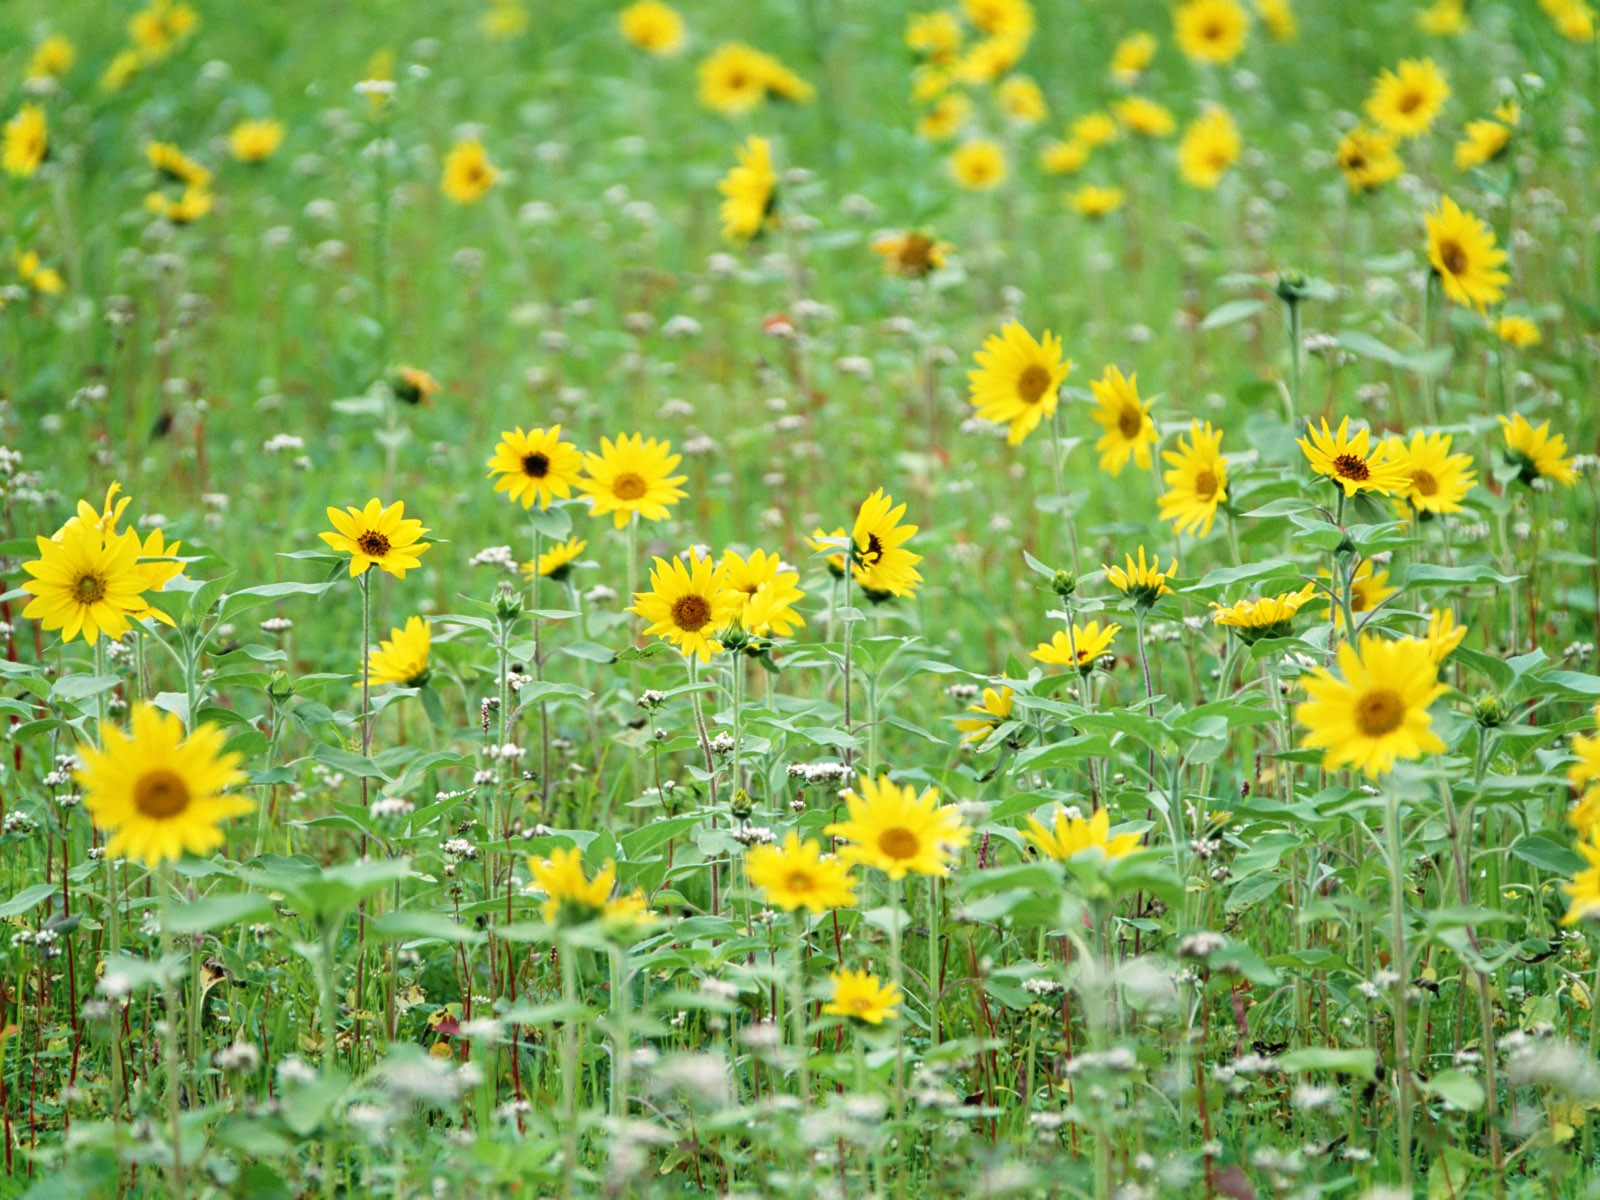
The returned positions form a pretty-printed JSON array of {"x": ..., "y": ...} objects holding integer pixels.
[
  {"x": 1213, "y": 31},
  {"x": 535, "y": 466},
  {"x": 1453, "y": 257},
  {"x": 1424, "y": 483},
  {"x": 373, "y": 544},
  {"x": 691, "y": 613},
  {"x": 628, "y": 486},
  {"x": 1032, "y": 383},
  {"x": 898, "y": 842},
  {"x": 1379, "y": 713},
  {"x": 1130, "y": 423},
  {"x": 160, "y": 794},
  {"x": 1353, "y": 467},
  {"x": 1410, "y": 102},
  {"x": 1205, "y": 485},
  {"x": 90, "y": 589},
  {"x": 873, "y": 552}
]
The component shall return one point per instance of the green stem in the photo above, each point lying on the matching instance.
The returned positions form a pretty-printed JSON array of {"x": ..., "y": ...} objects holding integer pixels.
[{"x": 174, "y": 1006}]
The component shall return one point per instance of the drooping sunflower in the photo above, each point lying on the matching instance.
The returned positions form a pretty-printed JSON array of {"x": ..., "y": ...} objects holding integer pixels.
[
  {"x": 1094, "y": 201},
  {"x": 912, "y": 254},
  {"x": 403, "y": 659},
  {"x": 733, "y": 80},
  {"x": 1132, "y": 56},
  {"x": 1211, "y": 31},
  {"x": 1437, "y": 481},
  {"x": 749, "y": 192},
  {"x": 1210, "y": 145},
  {"x": 992, "y": 711},
  {"x": 1536, "y": 453},
  {"x": 898, "y": 832},
  {"x": 1517, "y": 331},
  {"x": 173, "y": 164},
  {"x": 1142, "y": 582},
  {"x": 879, "y": 561},
  {"x": 1071, "y": 834},
  {"x": 87, "y": 581},
  {"x": 687, "y": 605},
  {"x": 653, "y": 27},
  {"x": 632, "y": 475},
  {"x": 1145, "y": 117},
  {"x": 535, "y": 467},
  {"x": 468, "y": 174},
  {"x": 158, "y": 793},
  {"x": 1407, "y": 100},
  {"x": 26, "y": 142},
  {"x": 1352, "y": 462},
  {"x": 1368, "y": 159},
  {"x": 1482, "y": 141},
  {"x": 861, "y": 996},
  {"x": 1082, "y": 648},
  {"x": 978, "y": 165},
  {"x": 572, "y": 898},
  {"x": 255, "y": 141},
  {"x": 1129, "y": 430},
  {"x": 1197, "y": 484},
  {"x": 1443, "y": 635},
  {"x": 798, "y": 875},
  {"x": 1018, "y": 380},
  {"x": 1375, "y": 711},
  {"x": 1263, "y": 616},
  {"x": 557, "y": 562},
  {"x": 377, "y": 536},
  {"x": 1465, "y": 259},
  {"x": 762, "y": 576}
]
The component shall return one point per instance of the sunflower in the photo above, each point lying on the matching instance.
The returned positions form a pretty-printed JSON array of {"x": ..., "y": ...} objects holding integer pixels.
[
  {"x": 1352, "y": 462},
  {"x": 631, "y": 475},
  {"x": 173, "y": 164},
  {"x": 1444, "y": 18},
  {"x": 124, "y": 65},
  {"x": 1198, "y": 481},
  {"x": 1129, "y": 431},
  {"x": 1535, "y": 452},
  {"x": 993, "y": 711},
  {"x": 255, "y": 141},
  {"x": 1583, "y": 892},
  {"x": 1407, "y": 100},
  {"x": 1018, "y": 380},
  {"x": 798, "y": 875},
  {"x": 824, "y": 542},
  {"x": 1063, "y": 158},
  {"x": 945, "y": 117},
  {"x": 1021, "y": 99},
  {"x": 1574, "y": 19},
  {"x": 1082, "y": 648},
  {"x": 1482, "y": 142},
  {"x": 403, "y": 659},
  {"x": 1279, "y": 19},
  {"x": 413, "y": 385},
  {"x": 192, "y": 204},
  {"x": 1378, "y": 712},
  {"x": 935, "y": 36},
  {"x": 653, "y": 27},
  {"x": 1000, "y": 18},
  {"x": 535, "y": 467},
  {"x": 1209, "y": 147},
  {"x": 897, "y": 831},
  {"x": 1143, "y": 582},
  {"x": 733, "y": 80},
  {"x": 749, "y": 192},
  {"x": 1094, "y": 201},
  {"x": 911, "y": 255},
  {"x": 686, "y": 606},
  {"x": 1517, "y": 332},
  {"x": 377, "y": 536},
  {"x": 767, "y": 592},
  {"x": 43, "y": 280},
  {"x": 158, "y": 564},
  {"x": 52, "y": 58},
  {"x": 1094, "y": 130},
  {"x": 1369, "y": 588},
  {"x": 571, "y": 897},
  {"x": 784, "y": 84},
  {"x": 26, "y": 142},
  {"x": 861, "y": 996},
  {"x": 1211, "y": 31},
  {"x": 1132, "y": 56},
  {"x": 1145, "y": 117},
  {"x": 158, "y": 793},
  {"x": 1368, "y": 159},
  {"x": 557, "y": 562},
  {"x": 1263, "y": 616},
  {"x": 1586, "y": 749},
  {"x": 1436, "y": 480},
  {"x": 87, "y": 581},
  {"x": 978, "y": 165},
  {"x": 879, "y": 561},
  {"x": 1443, "y": 635},
  {"x": 1070, "y": 835},
  {"x": 468, "y": 174}
]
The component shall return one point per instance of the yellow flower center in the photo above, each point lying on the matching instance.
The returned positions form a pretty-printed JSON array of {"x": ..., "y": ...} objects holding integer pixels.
[
  {"x": 800, "y": 881},
  {"x": 691, "y": 613},
  {"x": 1423, "y": 483},
  {"x": 1453, "y": 257},
  {"x": 535, "y": 466},
  {"x": 1032, "y": 383},
  {"x": 160, "y": 794},
  {"x": 1130, "y": 422},
  {"x": 1352, "y": 467},
  {"x": 860, "y": 1005},
  {"x": 373, "y": 544},
  {"x": 1205, "y": 485},
  {"x": 899, "y": 842},
  {"x": 90, "y": 589},
  {"x": 1379, "y": 713},
  {"x": 628, "y": 486}
]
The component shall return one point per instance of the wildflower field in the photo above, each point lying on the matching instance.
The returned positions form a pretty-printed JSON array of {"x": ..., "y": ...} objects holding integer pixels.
[{"x": 789, "y": 598}]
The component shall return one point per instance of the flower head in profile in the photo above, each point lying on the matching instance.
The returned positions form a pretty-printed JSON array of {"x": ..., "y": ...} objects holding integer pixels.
[
  {"x": 798, "y": 875},
  {"x": 572, "y": 897},
  {"x": 1144, "y": 117},
  {"x": 1262, "y": 616},
  {"x": 51, "y": 59},
  {"x": 403, "y": 659},
  {"x": 1210, "y": 145},
  {"x": 1094, "y": 201},
  {"x": 468, "y": 174},
  {"x": 377, "y": 536},
  {"x": 1465, "y": 259},
  {"x": 1080, "y": 648},
  {"x": 1070, "y": 835},
  {"x": 1278, "y": 19},
  {"x": 173, "y": 165},
  {"x": 255, "y": 141},
  {"x": 535, "y": 467},
  {"x": 861, "y": 996},
  {"x": 687, "y": 605},
  {"x": 1517, "y": 331},
  {"x": 879, "y": 561},
  {"x": 87, "y": 581},
  {"x": 631, "y": 475},
  {"x": 768, "y": 592},
  {"x": 1585, "y": 772},
  {"x": 413, "y": 386},
  {"x": 1537, "y": 453},
  {"x": 1352, "y": 462},
  {"x": 912, "y": 254},
  {"x": 653, "y": 27},
  {"x": 158, "y": 793},
  {"x": 1443, "y": 635},
  {"x": 1407, "y": 100},
  {"x": 827, "y": 543},
  {"x": 1368, "y": 158},
  {"x": 894, "y": 830},
  {"x": 1018, "y": 379},
  {"x": 990, "y": 713},
  {"x": 1129, "y": 430},
  {"x": 1132, "y": 56},
  {"x": 25, "y": 142},
  {"x": 557, "y": 562},
  {"x": 1436, "y": 480},
  {"x": 1375, "y": 711},
  {"x": 1583, "y": 891},
  {"x": 1211, "y": 31},
  {"x": 1142, "y": 582},
  {"x": 978, "y": 165},
  {"x": 1482, "y": 142},
  {"x": 749, "y": 192},
  {"x": 1197, "y": 483}
]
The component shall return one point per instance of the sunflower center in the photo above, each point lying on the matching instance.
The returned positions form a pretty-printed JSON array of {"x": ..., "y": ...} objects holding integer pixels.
[
  {"x": 1424, "y": 483},
  {"x": 628, "y": 486},
  {"x": 873, "y": 552},
  {"x": 1205, "y": 485},
  {"x": 1130, "y": 422},
  {"x": 90, "y": 589},
  {"x": 1453, "y": 257},
  {"x": 691, "y": 613},
  {"x": 915, "y": 252},
  {"x": 899, "y": 842},
  {"x": 1212, "y": 31},
  {"x": 373, "y": 544},
  {"x": 1410, "y": 102},
  {"x": 1031, "y": 384},
  {"x": 160, "y": 794},
  {"x": 1352, "y": 466},
  {"x": 1379, "y": 713},
  {"x": 800, "y": 881},
  {"x": 535, "y": 466},
  {"x": 860, "y": 1004}
]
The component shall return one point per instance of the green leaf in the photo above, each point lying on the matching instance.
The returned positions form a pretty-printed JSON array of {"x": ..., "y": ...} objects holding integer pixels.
[
  {"x": 1231, "y": 312},
  {"x": 1367, "y": 346},
  {"x": 82, "y": 687},
  {"x": 1456, "y": 1088},
  {"x": 1361, "y": 1063},
  {"x": 345, "y": 761},
  {"x": 1547, "y": 854},
  {"x": 27, "y": 898},
  {"x": 214, "y": 912},
  {"x": 425, "y": 926}
]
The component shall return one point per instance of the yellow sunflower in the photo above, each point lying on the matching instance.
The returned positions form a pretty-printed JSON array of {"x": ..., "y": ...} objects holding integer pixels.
[
  {"x": 468, "y": 174},
  {"x": 25, "y": 143},
  {"x": 935, "y": 36},
  {"x": 1407, "y": 100},
  {"x": 1436, "y": 480},
  {"x": 823, "y": 542},
  {"x": 255, "y": 141},
  {"x": 1583, "y": 892},
  {"x": 1279, "y": 19},
  {"x": 403, "y": 659},
  {"x": 377, "y": 536},
  {"x": 1129, "y": 430},
  {"x": 1536, "y": 453},
  {"x": 898, "y": 832},
  {"x": 861, "y": 996},
  {"x": 1586, "y": 749},
  {"x": 1145, "y": 117},
  {"x": 557, "y": 562},
  {"x": 798, "y": 875},
  {"x": 1068, "y": 836},
  {"x": 535, "y": 467},
  {"x": 1021, "y": 99},
  {"x": 87, "y": 582},
  {"x": 1210, "y": 145},
  {"x": 52, "y": 58},
  {"x": 1197, "y": 484},
  {"x": 1518, "y": 332},
  {"x": 992, "y": 711},
  {"x": 571, "y": 897},
  {"x": 1352, "y": 462},
  {"x": 1132, "y": 56},
  {"x": 158, "y": 564},
  {"x": 184, "y": 209},
  {"x": 733, "y": 80},
  {"x": 632, "y": 475},
  {"x": 1377, "y": 712},
  {"x": 1443, "y": 635},
  {"x": 1466, "y": 260},
  {"x": 1368, "y": 589},
  {"x": 1444, "y": 18},
  {"x": 687, "y": 605},
  {"x": 1063, "y": 158},
  {"x": 1094, "y": 130},
  {"x": 767, "y": 592},
  {"x": 46, "y": 281},
  {"x": 945, "y": 117},
  {"x": 749, "y": 192},
  {"x": 1368, "y": 159},
  {"x": 1095, "y": 202},
  {"x": 1018, "y": 380},
  {"x": 879, "y": 561},
  {"x": 1211, "y": 31},
  {"x": 978, "y": 165},
  {"x": 1082, "y": 648},
  {"x": 158, "y": 793},
  {"x": 413, "y": 385},
  {"x": 1482, "y": 142},
  {"x": 1143, "y": 582},
  {"x": 911, "y": 255},
  {"x": 1262, "y": 616},
  {"x": 172, "y": 163},
  {"x": 653, "y": 27}
]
